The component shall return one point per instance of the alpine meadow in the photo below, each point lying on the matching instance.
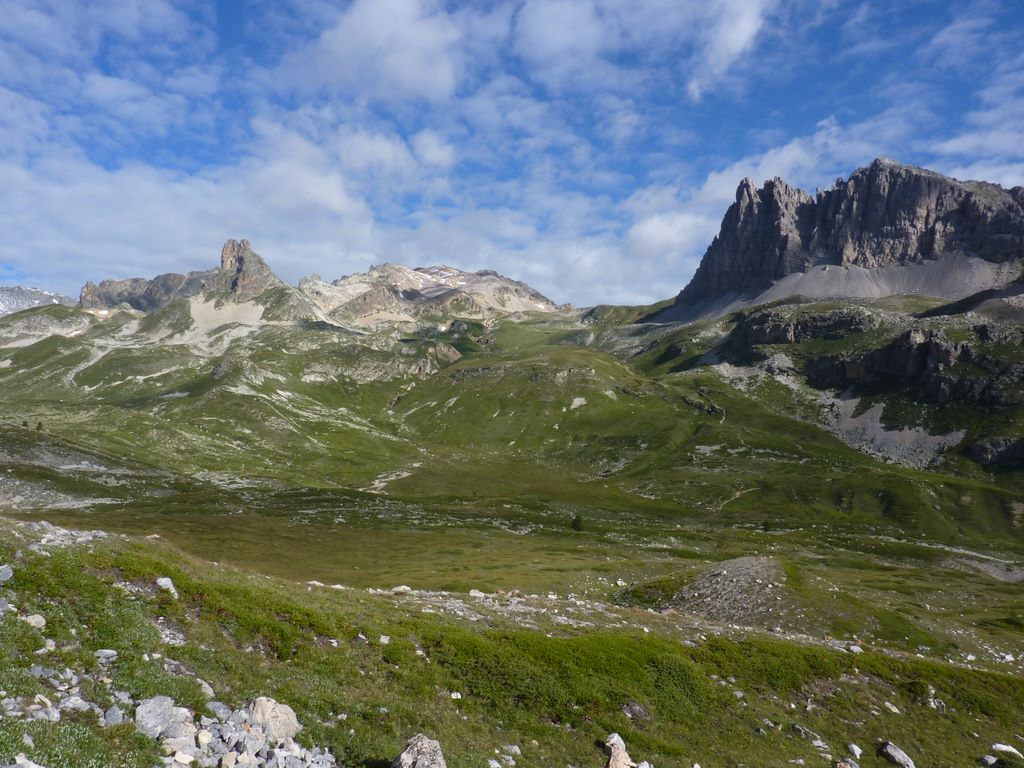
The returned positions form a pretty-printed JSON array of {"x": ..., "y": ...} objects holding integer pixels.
[{"x": 678, "y": 422}]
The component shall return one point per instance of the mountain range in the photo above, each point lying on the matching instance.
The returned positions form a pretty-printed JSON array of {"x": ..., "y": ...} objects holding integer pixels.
[
  {"x": 885, "y": 315},
  {"x": 388, "y": 293},
  {"x": 776, "y": 515},
  {"x": 890, "y": 229}
]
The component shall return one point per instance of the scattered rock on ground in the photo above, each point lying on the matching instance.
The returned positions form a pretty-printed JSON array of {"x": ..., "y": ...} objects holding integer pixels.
[
  {"x": 420, "y": 752},
  {"x": 895, "y": 755},
  {"x": 168, "y": 586},
  {"x": 618, "y": 757},
  {"x": 278, "y": 720}
]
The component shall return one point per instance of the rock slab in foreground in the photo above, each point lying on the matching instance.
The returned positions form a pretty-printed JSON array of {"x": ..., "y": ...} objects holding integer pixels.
[
  {"x": 895, "y": 755},
  {"x": 420, "y": 752},
  {"x": 618, "y": 757},
  {"x": 277, "y": 720}
]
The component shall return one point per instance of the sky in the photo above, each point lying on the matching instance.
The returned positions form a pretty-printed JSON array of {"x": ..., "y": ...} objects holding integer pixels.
[{"x": 588, "y": 147}]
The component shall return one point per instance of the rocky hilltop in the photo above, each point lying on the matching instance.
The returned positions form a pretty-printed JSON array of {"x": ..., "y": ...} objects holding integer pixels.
[
  {"x": 242, "y": 273},
  {"x": 394, "y": 293},
  {"x": 888, "y": 229},
  {"x": 387, "y": 294},
  {"x": 16, "y": 298}
]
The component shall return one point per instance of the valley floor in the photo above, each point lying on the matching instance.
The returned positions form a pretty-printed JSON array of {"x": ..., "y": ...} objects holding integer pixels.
[{"x": 685, "y": 680}]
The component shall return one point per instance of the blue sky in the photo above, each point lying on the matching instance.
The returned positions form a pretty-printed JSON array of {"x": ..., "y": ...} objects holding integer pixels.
[{"x": 588, "y": 147}]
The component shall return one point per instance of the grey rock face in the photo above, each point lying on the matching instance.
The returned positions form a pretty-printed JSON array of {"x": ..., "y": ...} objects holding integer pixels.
[
  {"x": 242, "y": 275},
  {"x": 6, "y": 573},
  {"x": 998, "y": 452},
  {"x": 420, "y": 752},
  {"x": 895, "y": 755},
  {"x": 762, "y": 238},
  {"x": 923, "y": 363},
  {"x": 885, "y": 214},
  {"x": 770, "y": 326}
]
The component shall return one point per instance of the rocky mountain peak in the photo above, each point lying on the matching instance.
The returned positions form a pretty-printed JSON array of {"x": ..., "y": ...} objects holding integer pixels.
[
  {"x": 242, "y": 275},
  {"x": 396, "y": 294},
  {"x": 886, "y": 215},
  {"x": 233, "y": 254}
]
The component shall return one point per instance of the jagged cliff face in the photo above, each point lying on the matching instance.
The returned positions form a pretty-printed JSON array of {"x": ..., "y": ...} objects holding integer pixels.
[
  {"x": 885, "y": 215},
  {"x": 243, "y": 274},
  {"x": 762, "y": 239}
]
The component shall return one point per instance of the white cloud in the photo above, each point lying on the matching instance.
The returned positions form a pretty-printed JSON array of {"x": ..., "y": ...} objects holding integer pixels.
[
  {"x": 133, "y": 103},
  {"x": 362, "y": 150},
  {"x": 575, "y": 43},
  {"x": 382, "y": 50},
  {"x": 666, "y": 236},
  {"x": 431, "y": 149},
  {"x": 731, "y": 29},
  {"x": 990, "y": 143},
  {"x": 563, "y": 40}
]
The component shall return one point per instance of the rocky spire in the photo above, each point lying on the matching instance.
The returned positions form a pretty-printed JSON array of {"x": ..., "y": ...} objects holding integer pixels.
[{"x": 243, "y": 272}]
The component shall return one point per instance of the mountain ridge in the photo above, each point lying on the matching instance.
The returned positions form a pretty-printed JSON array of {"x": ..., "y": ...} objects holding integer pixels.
[
  {"x": 885, "y": 217},
  {"x": 16, "y": 298},
  {"x": 385, "y": 294}
]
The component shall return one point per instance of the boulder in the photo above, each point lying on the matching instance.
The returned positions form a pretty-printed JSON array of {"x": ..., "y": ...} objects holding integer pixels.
[
  {"x": 1007, "y": 749},
  {"x": 6, "y": 573},
  {"x": 113, "y": 716},
  {"x": 167, "y": 586},
  {"x": 895, "y": 755},
  {"x": 618, "y": 757},
  {"x": 420, "y": 752},
  {"x": 635, "y": 711},
  {"x": 277, "y": 720},
  {"x": 158, "y": 716}
]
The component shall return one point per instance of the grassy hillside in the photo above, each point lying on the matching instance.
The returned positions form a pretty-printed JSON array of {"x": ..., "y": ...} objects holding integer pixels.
[{"x": 552, "y": 682}]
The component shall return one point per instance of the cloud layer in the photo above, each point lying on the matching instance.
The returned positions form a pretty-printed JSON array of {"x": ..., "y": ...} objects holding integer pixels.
[{"x": 589, "y": 147}]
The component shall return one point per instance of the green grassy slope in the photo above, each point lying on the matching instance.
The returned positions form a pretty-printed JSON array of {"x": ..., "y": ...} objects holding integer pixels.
[{"x": 553, "y": 689}]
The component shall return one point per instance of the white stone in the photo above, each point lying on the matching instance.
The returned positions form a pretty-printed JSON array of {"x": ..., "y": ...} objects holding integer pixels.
[{"x": 1007, "y": 749}]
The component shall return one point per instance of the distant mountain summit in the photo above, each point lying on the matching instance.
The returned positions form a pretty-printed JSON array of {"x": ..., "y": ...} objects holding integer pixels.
[
  {"x": 388, "y": 294},
  {"x": 243, "y": 274},
  {"x": 16, "y": 298},
  {"x": 888, "y": 229},
  {"x": 391, "y": 293}
]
